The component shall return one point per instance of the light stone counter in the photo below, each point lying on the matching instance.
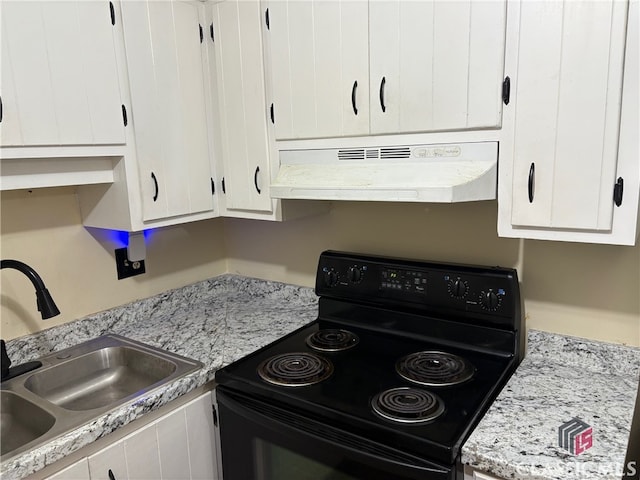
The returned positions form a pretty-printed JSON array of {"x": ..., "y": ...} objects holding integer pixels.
[
  {"x": 221, "y": 320},
  {"x": 216, "y": 322},
  {"x": 560, "y": 378}
]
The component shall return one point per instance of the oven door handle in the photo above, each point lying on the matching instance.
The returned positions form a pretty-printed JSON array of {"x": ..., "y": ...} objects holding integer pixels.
[{"x": 275, "y": 419}]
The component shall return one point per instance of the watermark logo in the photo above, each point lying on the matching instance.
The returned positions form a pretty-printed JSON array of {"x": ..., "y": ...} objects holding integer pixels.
[{"x": 575, "y": 436}]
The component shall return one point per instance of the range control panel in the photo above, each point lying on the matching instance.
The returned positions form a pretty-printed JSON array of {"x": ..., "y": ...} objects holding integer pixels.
[{"x": 490, "y": 291}]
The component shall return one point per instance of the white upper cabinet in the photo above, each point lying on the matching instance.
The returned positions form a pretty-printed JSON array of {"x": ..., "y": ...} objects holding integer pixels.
[
  {"x": 565, "y": 146},
  {"x": 237, "y": 59},
  {"x": 59, "y": 80},
  {"x": 318, "y": 59},
  {"x": 164, "y": 54},
  {"x": 345, "y": 68},
  {"x": 436, "y": 65}
]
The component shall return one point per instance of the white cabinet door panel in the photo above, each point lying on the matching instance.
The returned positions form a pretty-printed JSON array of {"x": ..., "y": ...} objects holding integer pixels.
[
  {"x": 568, "y": 94},
  {"x": 75, "y": 471},
  {"x": 318, "y": 51},
  {"x": 166, "y": 77},
  {"x": 441, "y": 64},
  {"x": 110, "y": 459},
  {"x": 200, "y": 431},
  {"x": 60, "y": 80},
  {"x": 173, "y": 446},
  {"x": 143, "y": 456},
  {"x": 242, "y": 101}
]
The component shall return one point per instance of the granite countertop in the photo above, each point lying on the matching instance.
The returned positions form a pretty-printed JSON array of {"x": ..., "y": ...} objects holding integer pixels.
[
  {"x": 221, "y": 320},
  {"x": 216, "y": 322},
  {"x": 560, "y": 378}
]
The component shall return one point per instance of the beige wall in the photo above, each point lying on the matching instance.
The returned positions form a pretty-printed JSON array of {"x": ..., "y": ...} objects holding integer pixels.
[
  {"x": 44, "y": 229},
  {"x": 579, "y": 289},
  {"x": 585, "y": 290}
]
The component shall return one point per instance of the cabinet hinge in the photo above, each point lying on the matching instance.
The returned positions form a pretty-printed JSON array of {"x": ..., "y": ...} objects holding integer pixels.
[
  {"x": 124, "y": 115},
  {"x": 266, "y": 18},
  {"x": 211, "y": 33},
  {"x": 273, "y": 120},
  {"x": 112, "y": 11},
  {"x": 618, "y": 190},
  {"x": 215, "y": 415},
  {"x": 506, "y": 90}
]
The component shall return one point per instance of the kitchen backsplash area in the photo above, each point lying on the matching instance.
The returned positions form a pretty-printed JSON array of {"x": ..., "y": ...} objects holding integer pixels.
[{"x": 577, "y": 289}]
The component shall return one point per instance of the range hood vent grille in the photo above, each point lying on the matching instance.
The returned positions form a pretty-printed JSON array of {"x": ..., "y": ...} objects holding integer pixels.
[{"x": 374, "y": 153}]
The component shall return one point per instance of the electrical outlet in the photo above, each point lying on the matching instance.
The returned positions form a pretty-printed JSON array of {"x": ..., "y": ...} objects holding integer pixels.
[{"x": 127, "y": 268}]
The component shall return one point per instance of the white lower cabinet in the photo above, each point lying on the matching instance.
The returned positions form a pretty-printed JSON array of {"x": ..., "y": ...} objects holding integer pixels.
[{"x": 179, "y": 445}]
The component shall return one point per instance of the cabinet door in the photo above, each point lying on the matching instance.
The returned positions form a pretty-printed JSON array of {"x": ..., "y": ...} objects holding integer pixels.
[
  {"x": 59, "y": 80},
  {"x": 163, "y": 43},
  {"x": 436, "y": 65},
  {"x": 318, "y": 60},
  {"x": 109, "y": 463},
  {"x": 242, "y": 105},
  {"x": 568, "y": 89},
  {"x": 202, "y": 445},
  {"x": 75, "y": 471}
]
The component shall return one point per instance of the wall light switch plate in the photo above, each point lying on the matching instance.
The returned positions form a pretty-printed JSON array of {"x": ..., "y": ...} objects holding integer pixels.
[{"x": 127, "y": 268}]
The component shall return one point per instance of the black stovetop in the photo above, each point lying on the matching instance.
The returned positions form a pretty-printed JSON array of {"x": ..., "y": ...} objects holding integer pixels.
[
  {"x": 432, "y": 319},
  {"x": 344, "y": 399}
]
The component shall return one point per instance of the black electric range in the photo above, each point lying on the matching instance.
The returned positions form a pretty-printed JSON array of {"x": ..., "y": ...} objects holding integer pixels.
[{"x": 403, "y": 360}]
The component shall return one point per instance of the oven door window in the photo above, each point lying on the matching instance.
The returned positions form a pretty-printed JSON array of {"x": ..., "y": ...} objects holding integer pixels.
[
  {"x": 273, "y": 462},
  {"x": 262, "y": 442}
]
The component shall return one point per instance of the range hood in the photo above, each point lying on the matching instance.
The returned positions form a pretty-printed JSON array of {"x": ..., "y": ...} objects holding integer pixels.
[{"x": 442, "y": 173}]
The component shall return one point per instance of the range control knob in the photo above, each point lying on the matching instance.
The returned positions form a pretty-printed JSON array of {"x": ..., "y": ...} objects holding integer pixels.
[
  {"x": 458, "y": 288},
  {"x": 490, "y": 300},
  {"x": 330, "y": 277},
  {"x": 354, "y": 274}
]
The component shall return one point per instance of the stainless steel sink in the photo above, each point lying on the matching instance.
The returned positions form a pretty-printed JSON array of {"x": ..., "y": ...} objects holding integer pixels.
[
  {"x": 21, "y": 421},
  {"x": 76, "y": 385}
]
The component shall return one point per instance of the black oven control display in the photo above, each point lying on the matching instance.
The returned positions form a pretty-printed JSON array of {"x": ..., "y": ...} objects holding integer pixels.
[{"x": 404, "y": 280}]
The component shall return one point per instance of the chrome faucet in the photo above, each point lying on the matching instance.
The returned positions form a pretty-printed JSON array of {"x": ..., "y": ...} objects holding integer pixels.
[{"x": 46, "y": 307}]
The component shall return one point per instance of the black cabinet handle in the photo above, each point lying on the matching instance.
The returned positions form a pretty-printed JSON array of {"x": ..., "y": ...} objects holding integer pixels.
[
  {"x": 211, "y": 33},
  {"x": 155, "y": 183},
  {"x": 531, "y": 183},
  {"x": 1, "y": 109},
  {"x": 255, "y": 179},
  {"x": 201, "y": 33},
  {"x": 223, "y": 189},
  {"x": 382, "y": 84},
  {"x": 506, "y": 90},
  {"x": 125, "y": 120},
  {"x": 111, "y": 475},
  {"x": 353, "y": 97},
  {"x": 213, "y": 187},
  {"x": 266, "y": 19},
  {"x": 618, "y": 190},
  {"x": 112, "y": 12},
  {"x": 271, "y": 114}
]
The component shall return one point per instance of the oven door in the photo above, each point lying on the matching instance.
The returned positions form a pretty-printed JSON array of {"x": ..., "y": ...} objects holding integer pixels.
[{"x": 263, "y": 442}]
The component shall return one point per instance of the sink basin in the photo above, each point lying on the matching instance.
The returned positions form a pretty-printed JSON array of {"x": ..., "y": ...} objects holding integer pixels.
[
  {"x": 100, "y": 378},
  {"x": 79, "y": 384},
  {"x": 21, "y": 421}
]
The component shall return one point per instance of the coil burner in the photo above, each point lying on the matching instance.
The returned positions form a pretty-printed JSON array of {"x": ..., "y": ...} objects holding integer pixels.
[
  {"x": 432, "y": 368},
  {"x": 296, "y": 369},
  {"x": 332, "y": 340},
  {"x": 407, "y": 405}
]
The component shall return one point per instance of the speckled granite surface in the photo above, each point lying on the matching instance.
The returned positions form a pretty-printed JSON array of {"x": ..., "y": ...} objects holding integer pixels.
[
  {"x": 216, "y": 322},
  {"x": 560, "y": 378},
  {"x": 220, "y": 320}
]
